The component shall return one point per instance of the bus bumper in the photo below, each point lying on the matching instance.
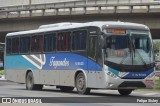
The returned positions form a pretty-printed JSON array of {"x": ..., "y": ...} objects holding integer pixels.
[{"x": 118, "y": 83}]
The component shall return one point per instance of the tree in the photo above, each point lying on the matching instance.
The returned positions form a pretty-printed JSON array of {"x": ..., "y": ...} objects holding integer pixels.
[{"x": 156, "y": 46}]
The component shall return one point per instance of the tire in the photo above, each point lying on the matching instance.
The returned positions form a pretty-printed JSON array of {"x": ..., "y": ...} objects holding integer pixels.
[
  {"x": 81, "y": 84},
  {"x": 66, "y": 88},
  {"x": 30, "y": 83},
  {"x": 125, "y": 92}
]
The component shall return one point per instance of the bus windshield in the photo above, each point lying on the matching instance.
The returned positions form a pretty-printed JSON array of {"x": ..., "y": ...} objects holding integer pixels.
[{"x": 134, "y": 48}]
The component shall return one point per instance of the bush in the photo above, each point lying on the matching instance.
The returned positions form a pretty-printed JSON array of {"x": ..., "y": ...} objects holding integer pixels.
[{"x": 1, "y": 72}]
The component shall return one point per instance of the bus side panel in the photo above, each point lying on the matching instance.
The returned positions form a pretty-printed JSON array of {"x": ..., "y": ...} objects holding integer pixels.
[
  {"x": 67, "y": 77},
  {"x": 91, "y": 79},
  {"x": 16, "y": 67},
  {"x": 101, "y": 79},
  {"x": 49, "y": 77},
  {"x": 95, "y": 75},
  {"x": 57, "y": 77},
  {"x": 60, "y": 69},
  {"x": 96, "y": 79}
]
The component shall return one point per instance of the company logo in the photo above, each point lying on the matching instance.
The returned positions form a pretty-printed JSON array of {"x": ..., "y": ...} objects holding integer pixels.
[
  {"x": 57, "y": 63},
  {"x": 6, "y": 100},
  {"x": 36, "y": 60}
]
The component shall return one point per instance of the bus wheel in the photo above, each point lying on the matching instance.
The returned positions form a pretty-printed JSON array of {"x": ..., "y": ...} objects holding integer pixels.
[
  {"x": 125, "y": 92},
  {"x": 66, "y": 88},
  {"x": 81, "y": 84},
  {"x": 30, "y": 83}
]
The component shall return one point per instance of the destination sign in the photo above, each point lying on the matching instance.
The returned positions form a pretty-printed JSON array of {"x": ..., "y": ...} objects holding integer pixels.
[{"x": 116, "y": 31}]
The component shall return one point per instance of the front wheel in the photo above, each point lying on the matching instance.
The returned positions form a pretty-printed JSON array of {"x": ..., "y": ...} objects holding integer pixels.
[
  {"x": 125, "y": 92},
  {"x": 81, "y": 84}
]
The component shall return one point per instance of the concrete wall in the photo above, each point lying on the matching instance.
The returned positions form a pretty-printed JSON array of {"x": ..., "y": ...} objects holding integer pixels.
[{"x": 26, "y": 2}]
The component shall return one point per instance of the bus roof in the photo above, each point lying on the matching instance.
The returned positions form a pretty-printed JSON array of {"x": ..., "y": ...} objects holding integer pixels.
[{"x": 69, "y": 25}]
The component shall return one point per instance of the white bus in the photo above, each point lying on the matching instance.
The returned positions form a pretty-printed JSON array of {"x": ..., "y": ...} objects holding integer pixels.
[{"x": 92, "y": 55}]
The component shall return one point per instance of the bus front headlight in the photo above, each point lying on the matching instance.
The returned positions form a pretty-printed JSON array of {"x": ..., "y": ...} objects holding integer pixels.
[{"x": 111, "y": 74}]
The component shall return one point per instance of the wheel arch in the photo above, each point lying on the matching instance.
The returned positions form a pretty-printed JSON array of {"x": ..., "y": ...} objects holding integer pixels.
[
  {"x": 29, "y": 70},
  {"x": 77, "y": 72}
]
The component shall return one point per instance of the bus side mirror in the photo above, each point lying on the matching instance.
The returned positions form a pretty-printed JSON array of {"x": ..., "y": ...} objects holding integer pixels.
[{"x": 103, "y": 41}]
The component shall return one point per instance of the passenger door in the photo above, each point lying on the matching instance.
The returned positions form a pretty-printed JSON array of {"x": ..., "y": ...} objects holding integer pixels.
[{"x": 92, "y": 60}]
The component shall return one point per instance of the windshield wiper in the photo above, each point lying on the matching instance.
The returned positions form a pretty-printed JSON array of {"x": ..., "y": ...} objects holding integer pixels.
[{"x": 134, "y": 49}]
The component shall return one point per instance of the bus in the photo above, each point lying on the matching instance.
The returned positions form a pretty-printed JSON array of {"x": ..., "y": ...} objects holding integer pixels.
[
  {"x": 93, "y": 55},
  {"x": 2, "y": 45}
]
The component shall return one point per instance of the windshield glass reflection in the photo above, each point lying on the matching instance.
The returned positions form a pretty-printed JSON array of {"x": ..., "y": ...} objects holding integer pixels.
[{"x": 134, "y": 48}]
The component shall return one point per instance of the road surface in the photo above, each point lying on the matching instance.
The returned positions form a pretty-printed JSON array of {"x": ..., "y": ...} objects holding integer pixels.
[{"x": 107, "y": 97}]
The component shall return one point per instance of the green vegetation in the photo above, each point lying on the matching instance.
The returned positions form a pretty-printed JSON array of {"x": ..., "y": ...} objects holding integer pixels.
[
  {"x": 156, "y": 46},
  {"x": 156, "y": 89},
  {"x": 157, "y": 84},
  {"x": 1, "y": 71}
]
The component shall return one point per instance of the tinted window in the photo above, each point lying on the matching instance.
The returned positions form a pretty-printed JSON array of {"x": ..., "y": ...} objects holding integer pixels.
[
  {"x": 49, "y": 42},
  {"x": 15, "y": 45},
  {"x": 25, "y": 45},
  {"x": 79, "y": 40},
  {"x": 37, "y": 43},
  {"x": 92, "y": 46},
  {"x": 8, "y": 49},
  {"x": 117, "y": 42},
  {"x": 63, "y": 41}
]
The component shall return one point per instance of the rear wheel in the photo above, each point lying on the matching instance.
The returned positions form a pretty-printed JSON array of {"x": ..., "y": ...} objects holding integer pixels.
[
  {"x": 125, "y": 92},
  {"x": 81, "y": 84},
  {"x": 30, "y": 83}
]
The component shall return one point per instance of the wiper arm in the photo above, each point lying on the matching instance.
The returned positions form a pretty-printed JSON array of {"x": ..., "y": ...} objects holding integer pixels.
[
  {"x": 134, "y": 49},
  {"x": 131, "y": 48}
]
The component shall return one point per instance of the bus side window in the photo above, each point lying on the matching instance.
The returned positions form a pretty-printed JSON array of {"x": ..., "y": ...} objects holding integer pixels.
[
  {"x": 15, "y": 45},
  {"x": 63, "y": 41},
  {"x": 25, "y": 44},
  {"x": 37, "y": 43},
  {"x": 79, "y": 40},
  {"x": 93, "y": 47},
  {"x": 49, "y": 42},
  {"x": 8, "y": 48}
]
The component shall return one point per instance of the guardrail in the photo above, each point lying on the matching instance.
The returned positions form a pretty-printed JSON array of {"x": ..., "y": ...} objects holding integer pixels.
[{"x": 77, "y": 7}]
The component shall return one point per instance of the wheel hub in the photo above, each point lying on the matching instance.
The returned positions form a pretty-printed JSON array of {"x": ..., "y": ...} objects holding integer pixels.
[{"x": 81, "y": 83}]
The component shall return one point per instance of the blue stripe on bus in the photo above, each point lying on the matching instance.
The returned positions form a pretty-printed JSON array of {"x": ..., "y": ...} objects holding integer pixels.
[
  {"x": 18, "y": 62},
  {"x": 68, "y": 61},
  {"x": 138, "y": 75},
  {"x": 133, "y": 75},
  {"x": 62, "y": 61}
]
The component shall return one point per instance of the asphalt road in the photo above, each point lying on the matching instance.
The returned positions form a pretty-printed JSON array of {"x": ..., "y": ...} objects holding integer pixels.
[{"x": 97, "y": 97}]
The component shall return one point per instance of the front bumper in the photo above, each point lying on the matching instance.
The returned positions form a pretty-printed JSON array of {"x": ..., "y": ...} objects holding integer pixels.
[{"x": 118, "y": 83}]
